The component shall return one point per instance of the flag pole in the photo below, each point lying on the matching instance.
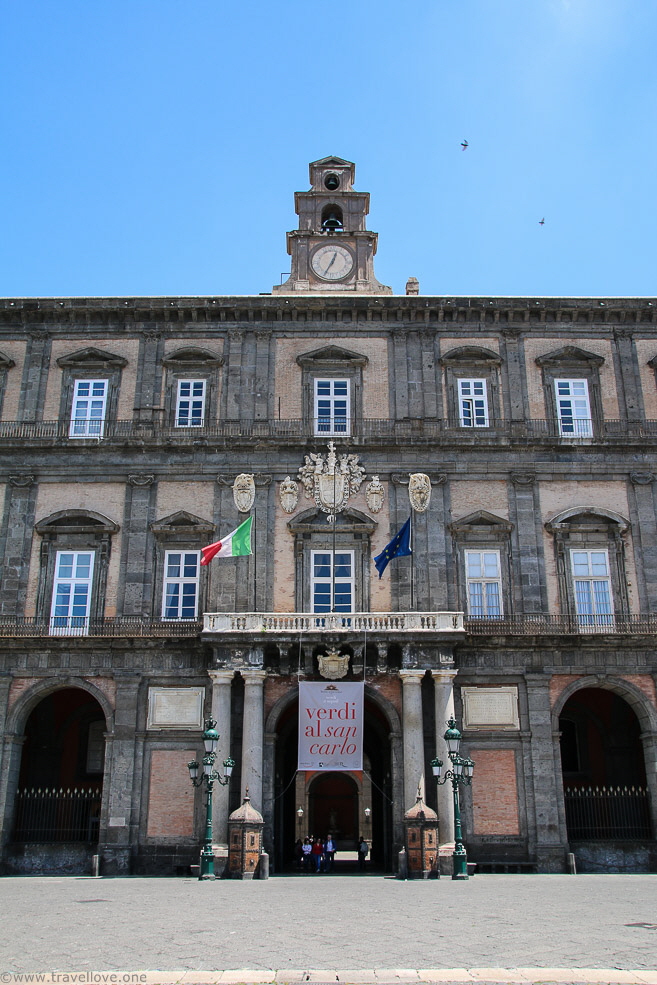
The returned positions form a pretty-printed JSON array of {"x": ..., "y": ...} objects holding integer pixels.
[
  {"x": 412, "y": 540},
  {"x": 255, "y": 560}
]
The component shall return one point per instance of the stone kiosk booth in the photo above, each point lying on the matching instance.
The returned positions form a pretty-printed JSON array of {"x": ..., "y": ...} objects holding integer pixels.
[
  {"x": 244, "y": 841},
  {"x": 421, "y": 824}
]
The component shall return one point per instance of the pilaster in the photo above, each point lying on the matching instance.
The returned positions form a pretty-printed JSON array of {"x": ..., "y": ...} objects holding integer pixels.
[
  {"x": 443, "y": 683},
  {"x": 253, "y": 735},
  {"x": 550, "y": 842},
  {"x": 413, "y": 735}
]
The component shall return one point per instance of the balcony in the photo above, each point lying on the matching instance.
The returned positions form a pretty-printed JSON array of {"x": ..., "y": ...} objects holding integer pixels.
[
  {"x": 230, "y": 433},
  {"x": 261, "y": 624},
  {"x": 538, "y": 624},
  {"x": 126, "y": 627}
]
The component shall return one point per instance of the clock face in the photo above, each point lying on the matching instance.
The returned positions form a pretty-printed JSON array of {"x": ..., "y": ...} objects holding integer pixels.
[{"x": 332, "y": 262}]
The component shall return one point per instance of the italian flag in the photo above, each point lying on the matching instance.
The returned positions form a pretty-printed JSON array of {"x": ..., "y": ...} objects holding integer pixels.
[{"x": 235, "y": 544}]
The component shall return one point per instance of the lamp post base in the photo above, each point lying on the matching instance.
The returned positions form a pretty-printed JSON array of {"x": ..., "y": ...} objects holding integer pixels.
[{"x": 460, "y": 866}]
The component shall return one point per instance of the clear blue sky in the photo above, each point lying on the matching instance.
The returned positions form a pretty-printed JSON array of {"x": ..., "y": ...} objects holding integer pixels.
[{"x": 154, "y": 146}]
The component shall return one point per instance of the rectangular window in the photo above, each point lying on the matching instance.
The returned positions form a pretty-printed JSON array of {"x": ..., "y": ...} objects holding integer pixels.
[
  {"x": 473, "y": 404},
  {"x": 190, "y": 404},
  {"x": 181, "y": 579},
  {"x": 88, "y": 410},
  {"x": 484, "y": 584},
  {"x": 332, "y": 577},
  {"x": 592, "y": 589},
  {"x": 573, "y": 408},
  {"x": 71, "y": 593},
  {"x": 332, "y": 414}
]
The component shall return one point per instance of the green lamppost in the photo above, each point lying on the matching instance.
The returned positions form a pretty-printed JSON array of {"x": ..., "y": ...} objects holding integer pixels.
[
  {"x": 209, "y": 775},
  {"x": 461, "y": 772}
]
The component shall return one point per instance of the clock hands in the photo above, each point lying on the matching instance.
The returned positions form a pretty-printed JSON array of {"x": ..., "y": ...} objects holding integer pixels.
[{"x": 332, "y": 262}]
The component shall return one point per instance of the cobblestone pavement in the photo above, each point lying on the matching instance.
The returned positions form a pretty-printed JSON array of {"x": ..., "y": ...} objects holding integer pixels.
[{"x": 360, "y": 929}]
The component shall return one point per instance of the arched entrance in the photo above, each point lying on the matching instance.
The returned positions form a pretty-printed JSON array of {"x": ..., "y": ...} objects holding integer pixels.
[
  {"x": 57, "y": 803},
  {"x": 359, "y": 803},
  {"x": 333, "y": 807},
  {"x": 606, "y": 796}
]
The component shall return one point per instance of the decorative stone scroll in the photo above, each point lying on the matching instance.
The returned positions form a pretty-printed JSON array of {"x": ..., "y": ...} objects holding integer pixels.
[
  {"x": 419, "y": 491},
  {"x": 375, "y": 495},
  {"x": 244, "y": 492},
  {"x": 491, "y": 708},
  {"x": 289, "y": 493}
]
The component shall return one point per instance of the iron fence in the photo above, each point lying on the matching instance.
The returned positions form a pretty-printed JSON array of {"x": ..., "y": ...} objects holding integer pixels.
[
  {"x": 51, "y": 815},
  {"x": 122, "y": 626},
  {"x": 538, "y": 623},
  {"x": 369, "y": 429},
  {"x": 607, "y": 813}
]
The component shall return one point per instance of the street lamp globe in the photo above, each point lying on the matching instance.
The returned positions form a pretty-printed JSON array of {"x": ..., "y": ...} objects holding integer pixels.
[{"x": 452, "y": 738}]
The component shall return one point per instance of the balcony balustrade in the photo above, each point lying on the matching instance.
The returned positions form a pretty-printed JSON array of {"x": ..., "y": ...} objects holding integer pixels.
[
  {"x": 416, "y": 430},
  {"x": 417, "y": 623}
]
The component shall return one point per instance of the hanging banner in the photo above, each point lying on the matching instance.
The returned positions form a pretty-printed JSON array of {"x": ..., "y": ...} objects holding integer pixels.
[{"x": 330, "y": 726}]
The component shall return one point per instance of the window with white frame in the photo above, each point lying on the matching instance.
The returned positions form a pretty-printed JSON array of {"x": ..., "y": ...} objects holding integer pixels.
[
  {"x": 88, "y": 409},
  {"x": 181, "y": 582},
  {"x": 473, "y": 403},
  {"x": 332, "y": 581},
  {"x": 573, "y": 408},
  {"x": 332, "y": 411},
  {"x": 592, "y": 588},
  {"x": 71, "y": 593},
  {"x": 484, "y": 584},
  {"x": 190, "y": 404}
]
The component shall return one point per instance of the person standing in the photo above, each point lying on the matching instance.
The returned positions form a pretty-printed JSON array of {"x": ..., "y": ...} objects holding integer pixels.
[
  {"x": 329, "y": 853},
  {"x": 307, "y": 849},
  {"x": 363, "y": 849},
  {"x": 318, "y": 854}
]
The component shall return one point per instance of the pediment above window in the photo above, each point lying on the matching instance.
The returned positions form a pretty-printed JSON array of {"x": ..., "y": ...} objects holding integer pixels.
[
  {"x": 482, "y": 523},
  {"x": 471, "y": 354},
  {"x": 184, "y": 523},
  {"x": 333, "y": 356},
  {"x": 349, "y": 521},
  {"x": 192, "y": 356},
  {"x": 76, "y": 521},
  {"x": 6, "y": 362},
  {"x": 570, "y": 356},
  {"x": 92, "y": 358},
  {"x": 587, "y": 518}
]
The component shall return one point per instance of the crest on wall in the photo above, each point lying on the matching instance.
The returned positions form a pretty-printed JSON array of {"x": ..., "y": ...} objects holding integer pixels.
[
  {"x": 419, "y": 491},
  {"x": 332, "y": 665},
  {"x": 244, "y": 492},
  {"x": 330, "y": 480},
  {"x": 289, "y": 492},
  {"x": 375, "y": 494}
]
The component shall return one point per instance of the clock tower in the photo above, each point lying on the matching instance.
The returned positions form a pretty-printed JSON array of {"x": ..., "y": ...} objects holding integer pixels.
[{"x": 332, "y": 250}]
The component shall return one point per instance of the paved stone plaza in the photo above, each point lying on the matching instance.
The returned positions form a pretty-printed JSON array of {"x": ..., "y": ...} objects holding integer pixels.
[{"x": 323, "y": 928}]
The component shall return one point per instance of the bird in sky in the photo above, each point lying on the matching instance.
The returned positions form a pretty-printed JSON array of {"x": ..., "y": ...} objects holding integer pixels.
[
  {"x": 464, "y": 145},
  {"x": 541, "y": 222}
]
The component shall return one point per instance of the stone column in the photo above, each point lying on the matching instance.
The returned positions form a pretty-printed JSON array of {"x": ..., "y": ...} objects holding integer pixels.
[
  {"x": 120, "y": 827},
  {"x": 443, "y": 683},
  {"x": 413, "y": 735},
  {"x": 221, "y": 692},
  {"x": 253, "y": 735},
  {"x": 550, "y": 848}
]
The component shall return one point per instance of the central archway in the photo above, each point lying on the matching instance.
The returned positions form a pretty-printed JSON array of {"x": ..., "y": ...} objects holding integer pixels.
[{"x": 363, "y": 802}]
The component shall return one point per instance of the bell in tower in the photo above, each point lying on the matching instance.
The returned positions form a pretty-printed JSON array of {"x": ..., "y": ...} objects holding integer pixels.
[{"x": 332, "y": 251}]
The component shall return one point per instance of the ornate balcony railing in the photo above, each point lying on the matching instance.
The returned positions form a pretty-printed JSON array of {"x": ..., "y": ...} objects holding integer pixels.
[
  {"x": 122, "y": 626},
  {"x": 398, "y": 431},
  {"x": 538, "y": 624},
  {"x": 334, "y": 622}
]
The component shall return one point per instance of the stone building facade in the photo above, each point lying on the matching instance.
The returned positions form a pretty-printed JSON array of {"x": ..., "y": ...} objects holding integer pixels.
[{"x": 528, "y": 608}]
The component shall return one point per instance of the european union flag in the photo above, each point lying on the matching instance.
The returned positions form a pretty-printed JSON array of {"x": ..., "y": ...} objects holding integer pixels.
[{"x": 399, "y": 546}]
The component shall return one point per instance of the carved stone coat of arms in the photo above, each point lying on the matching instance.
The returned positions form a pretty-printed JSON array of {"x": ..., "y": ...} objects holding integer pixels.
[{"x": 330, "y": 480}]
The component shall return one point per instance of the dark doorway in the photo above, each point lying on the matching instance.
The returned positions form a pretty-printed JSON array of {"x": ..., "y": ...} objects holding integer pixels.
[
  {"x": 603, "y": 767},
  {"x": 61, "y": 776},
  {"x": 334, "y": 808}
]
